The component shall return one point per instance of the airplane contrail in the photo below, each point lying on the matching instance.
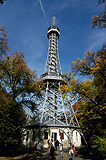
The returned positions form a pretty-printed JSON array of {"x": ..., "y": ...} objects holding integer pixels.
[{"x": 43, "y": 12}]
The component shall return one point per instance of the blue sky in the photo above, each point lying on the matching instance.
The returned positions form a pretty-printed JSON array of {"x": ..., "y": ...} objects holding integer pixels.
[{"x": 27, "y": 29}]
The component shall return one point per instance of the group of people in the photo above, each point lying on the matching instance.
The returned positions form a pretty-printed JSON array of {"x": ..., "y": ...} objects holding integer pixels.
[
  {"x": 55, "y": 146},
  {"x": 59, "y": 146}
]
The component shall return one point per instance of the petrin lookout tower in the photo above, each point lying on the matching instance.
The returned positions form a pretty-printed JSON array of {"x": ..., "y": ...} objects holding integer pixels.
[
  {"x": 60, "y": 118},
  {"x": 52, "y": 77},
  {"x": 57, "y": 120}
]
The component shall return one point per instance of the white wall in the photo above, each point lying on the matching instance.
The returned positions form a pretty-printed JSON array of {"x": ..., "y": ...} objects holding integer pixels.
[{"x": 74, "y": 136}]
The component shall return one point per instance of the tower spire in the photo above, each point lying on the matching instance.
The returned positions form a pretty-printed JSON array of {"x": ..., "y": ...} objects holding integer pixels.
[
  {"x": 53, "y": 21},
  {"x": 52, "y": 63}
]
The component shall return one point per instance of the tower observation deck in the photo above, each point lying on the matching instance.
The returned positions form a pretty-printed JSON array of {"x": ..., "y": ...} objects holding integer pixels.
[{"x": 52, "y": 68}]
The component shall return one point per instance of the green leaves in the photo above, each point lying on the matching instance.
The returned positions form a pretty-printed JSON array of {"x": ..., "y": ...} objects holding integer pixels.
[
  {"x": 11, "y": 117},
  {"x": 99, "y": 144},
  {"x": 17, "y": 78},
  {"x": 88, "y": 93},
  {"x": 19, "y": 89}
]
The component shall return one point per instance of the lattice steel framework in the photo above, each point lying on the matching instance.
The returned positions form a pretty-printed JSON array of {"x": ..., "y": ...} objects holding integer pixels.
[{"x": 54, "y": 112}]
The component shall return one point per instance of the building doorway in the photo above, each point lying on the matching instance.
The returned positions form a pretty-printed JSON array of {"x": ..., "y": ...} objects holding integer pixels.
[{"x": 54, "y": 136}]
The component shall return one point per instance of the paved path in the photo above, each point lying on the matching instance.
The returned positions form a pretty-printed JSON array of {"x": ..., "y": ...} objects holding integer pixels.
[{"x": 44, "y": 155}]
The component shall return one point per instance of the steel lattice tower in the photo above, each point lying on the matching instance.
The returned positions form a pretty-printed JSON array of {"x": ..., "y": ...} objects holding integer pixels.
[
  {"x": 54, "y": 112},
  {"x": 57, "y": 117}
]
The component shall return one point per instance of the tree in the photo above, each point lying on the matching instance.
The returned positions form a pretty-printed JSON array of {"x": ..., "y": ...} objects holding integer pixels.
[
  {"x": 99, "y": 143},
  {"x": 18, "y": 80},
  {"x": 88, "y": 92},
  {"x": 94, "y": 66},
  {"x": 3, "y": 42},
  {"x": 100, "y": 19},
  {"x": 19, "y": 89},
  {"x": 12, "y": 119},
  {"x": 90, "y": 95}
]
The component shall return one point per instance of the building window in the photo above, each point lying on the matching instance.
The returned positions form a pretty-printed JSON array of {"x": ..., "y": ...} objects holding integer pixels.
[{"x": 46, "y": 135}]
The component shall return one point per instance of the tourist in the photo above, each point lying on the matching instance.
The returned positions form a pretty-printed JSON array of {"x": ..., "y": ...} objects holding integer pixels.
[
  {"x": 60, "y": 151},
  {"x": 73, "y": 154},
  {"x": 52, "y": 152},
  {"x": 56, "y": 144}
]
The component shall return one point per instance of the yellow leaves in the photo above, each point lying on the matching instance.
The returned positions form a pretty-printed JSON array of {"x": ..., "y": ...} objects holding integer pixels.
[
  {"x": 78, "y": 60},
  {"x": 17, "y": 76},
  {"x": 90, "y": 76},
  {"x": 99, "y": 20},
  {"x": 93, "y": 114},
  {"x": 69, "y": 87},
  {"x": 95, "y": 20},
  {"x": 87, "y": 88},
  {"x": 64, "y": 88},
  {"x": 17, "y": 66},
  {"x": 91, "y": 92},
  {"x": 94, "y": 70}
]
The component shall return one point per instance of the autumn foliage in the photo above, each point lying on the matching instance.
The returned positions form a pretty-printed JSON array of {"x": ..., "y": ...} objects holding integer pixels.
[
  {"x": 86, "y": 86},
  {"x": 19, "y": 88}
]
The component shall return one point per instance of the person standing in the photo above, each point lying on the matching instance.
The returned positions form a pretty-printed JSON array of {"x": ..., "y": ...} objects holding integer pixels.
[
  {"x": 56, "y": 144},
  {"x": 60, "y": 151},
  {"x": 52, "y": 152},
  {"x": 73, "y": 154}
]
